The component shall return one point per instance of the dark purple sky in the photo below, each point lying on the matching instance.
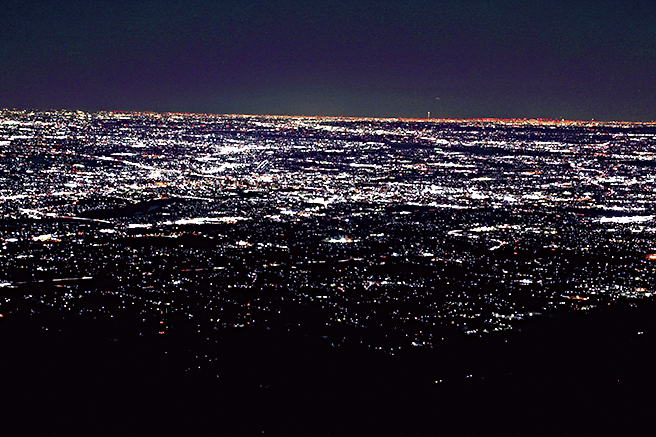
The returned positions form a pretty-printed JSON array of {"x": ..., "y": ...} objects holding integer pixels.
[{"x": 457, "y": 59}]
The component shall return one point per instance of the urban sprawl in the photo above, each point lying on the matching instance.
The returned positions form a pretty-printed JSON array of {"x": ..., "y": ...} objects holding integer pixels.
[{"x": 387, "y": 234}]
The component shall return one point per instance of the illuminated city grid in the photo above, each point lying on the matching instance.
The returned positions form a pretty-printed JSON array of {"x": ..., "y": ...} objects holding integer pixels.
[{"x": 385, "y": 234}]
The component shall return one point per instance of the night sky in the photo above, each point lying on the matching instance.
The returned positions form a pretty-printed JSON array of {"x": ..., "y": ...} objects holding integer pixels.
[{"x": 457, "y": 59}]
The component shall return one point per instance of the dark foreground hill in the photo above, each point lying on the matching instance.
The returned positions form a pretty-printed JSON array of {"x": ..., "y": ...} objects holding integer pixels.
[{"x": 564, "y": 376}]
